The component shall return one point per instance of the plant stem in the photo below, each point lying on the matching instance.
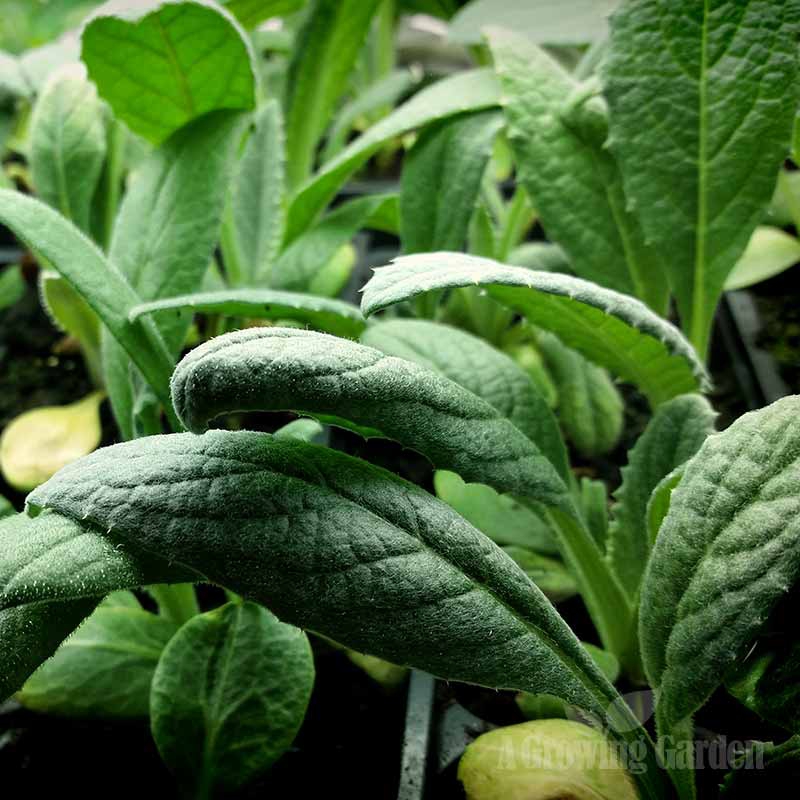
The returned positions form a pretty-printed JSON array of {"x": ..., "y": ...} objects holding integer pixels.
[
  {"x": 519, "y": 217},
  {"x": 235, "y": 270},
  {"x": 177, "y": 601}
]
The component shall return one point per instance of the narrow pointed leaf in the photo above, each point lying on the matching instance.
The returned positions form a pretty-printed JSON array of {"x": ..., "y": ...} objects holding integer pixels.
[
  {"x": 99, "y": 282},
  {"x": 271, "y": 369},
  {"x": 672, "y": 437},
  {"x": 160, "y": 65},
  {"x": 727, "y": 552},
  {"x": 610, "y": 329},
  {"x": 323, "y": 313},
  {"x": 557, "y": 130},
  {"x": 469, "y": 91},
  {"x": 702, "y": 98}
]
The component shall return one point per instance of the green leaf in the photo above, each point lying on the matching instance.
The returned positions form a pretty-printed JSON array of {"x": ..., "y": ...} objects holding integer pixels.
[
  {"x": 441, "y": 181},
  {"x": 252, "y": 13},
  {"x": 549, "y": 574},
  {"x": 540, "y": 256},
  {"x": 766, "y": 770},
  {"x": 165, "y": 64},
  {"x": 541, "y": 21},
  {"x": 658, "y": 504},
  {"x": 769, "y": 252},
  {"x": 468, "y": 91},
  {"x": 502, "y": 518},
  {"x": 80, "y": 567},
  {"x": 273, "y": 369},
  {"x": 229, "y": 695},
  {"x": 590, "y": 407},
  {"x": 323, "y": 56},
  {"x": 68, "y": 144},
  {"x": 6, "y": 509},
  {"x": 593, "y": 499},
  {"x": 334, "y": 545},
  {"x": 384, "y": 93},
  {"x": 105, "y": 668},
  {"x": 323, "y": 313},
  {"x": 97, "y": 280},
  {"x": 301, "y": 266},
  {"x": 302, "y": 429},
  {"x": 557, "y": 130},
  {"x": 702, "y": 99},
  {"x": 529, "y": 760},
  {"x": 257, "y": 203},
  {"x": 615, "y": 331},
  {"x": 673, "y": 435},
  {"x": 12, "y": 286},
  {"x": 727, "y": 552},
  {"x": 477, "y": 366}
]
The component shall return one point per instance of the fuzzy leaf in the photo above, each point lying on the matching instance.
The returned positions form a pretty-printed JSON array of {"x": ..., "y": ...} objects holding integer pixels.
[
  {"x": 68, "y": 145},
  {"x": 323, "y": 313},
  {"x": 229, "y": 695},
  {"x": 480, "y": 368},
  {"x": 160, "y": 65},
  {"x": 572, "y": 179},
  {"x": 615, "y": 331},
  {"x": 702, "y": 99},
  {"x": 441, "y": 181},
  {"x": 672, "y": 437},
  {"x": 272, "y": 369},
  {"x": 727, "y": 552},
  {"x": 469, "y": 91}
]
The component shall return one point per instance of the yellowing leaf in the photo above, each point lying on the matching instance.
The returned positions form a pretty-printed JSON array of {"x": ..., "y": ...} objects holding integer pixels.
[{"x": 39, "y": 442}]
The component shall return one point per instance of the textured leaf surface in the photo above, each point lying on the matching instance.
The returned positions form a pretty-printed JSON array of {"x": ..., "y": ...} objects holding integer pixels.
[
  {"x": 229, "y": 695},
  {"x": 258, "y": 196},
  {"x": 590, "y": 408},
  {"x": 614, "y": 331},
  {"x": 289, "y": 369},
  {"x": 469, "y": 91},
  {"x": 441, "y": 180},
  {"x": 161, "y": 65},
  {"x": 727, "y": 552},
  {"x": 557, "y": 130},
  {"x": 702, "y": 99},
  {"x": 99, "y": 282},
  {"x": 672, "y": 437},
  {"x": 68, "y": 145},
  {"x": 480, "y": 368},
  {"x": 105, "y": 668},
  {"x": 323, "y": 56},
  {"x": 325, "y": 313}
]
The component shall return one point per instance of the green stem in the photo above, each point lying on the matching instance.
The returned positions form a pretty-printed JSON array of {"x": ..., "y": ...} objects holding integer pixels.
[
  {"x": 235, "y": 269},
  {"x": 605, "y": 599},
  {"x": 177, "y": 601},
  {"x": 518, "y": 219}
]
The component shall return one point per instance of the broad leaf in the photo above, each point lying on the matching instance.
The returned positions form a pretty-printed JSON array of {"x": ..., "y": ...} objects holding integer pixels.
[
  {"x": 480, "y": 368},
  {"x": 557, "y": 130},
  {"x": 229, "y": 695},
  {"x": 105, "y": 668},
  {"x": 257, "y": 206},
  {"x": 99, "y": 282},
  {"x": 160, "y": 65},
  {"x": 301, "y": 266},
  {"x": 727, "y": 552},
  {"x": 252, "y": 13},
  {"x": 469, "y": 91},
  {"x": 672, "y": 437},
  {"x": 769, "y": 252},
  {"x": 274, "y": 369},
  {"x": 323, "y": 313},
  {"x": 590, "y": 408},
  {"x": 408, "y": 574},
  {"x": 441, "y": 180},
  {"x": 614, "y": 331},
  {"x": 542, "y": 21},
  {"x": 323, "y": 56},
  {"x": 502, "y": 518},
  {"x": 702, "y": 99},
  {"x": 68, "y": 145}
]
